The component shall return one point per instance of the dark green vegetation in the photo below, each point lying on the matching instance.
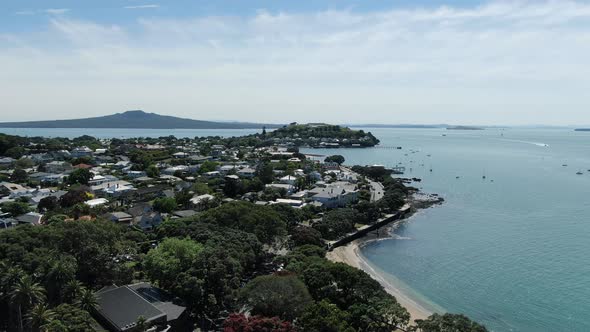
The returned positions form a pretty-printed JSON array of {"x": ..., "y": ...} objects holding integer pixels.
[
  {"x": 214, "y": 262},
  {"x": 312, "y": 135},
  {"x": 134, "y": 119},
  {"x": 233, "y": 264}
]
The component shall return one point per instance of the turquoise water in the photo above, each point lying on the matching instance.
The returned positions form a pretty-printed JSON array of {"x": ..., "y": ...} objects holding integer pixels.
[
  {"x": 125, "y": 133},
  {"x": 512, "y": 253}
]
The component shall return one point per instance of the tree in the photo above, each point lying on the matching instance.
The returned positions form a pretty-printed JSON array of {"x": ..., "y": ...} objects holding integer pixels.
[
  {"x": 265, "y": 173},
  {"x": 335, "y": 159},
  {"x": 40, "y": 316},
  {"x": 448, "y": 323},
  {"x": 152, "y": 171},
  {"x": 72, "y": 290},
  {"x": 61, "y": 271},
  {"x": 87, "y": 301},
  {"x": 303, "y": 235},
  {"x": 273, "y": 295},
  {"x": 241, "y": 323},
  {"x": 165, "y": 204},
  {"x": 142, "y": 324},
  {"x": 324, "y": 316},
  {"x": 75, "y": 196},
  {"x": 207, "y": 166},
  {"x": 25, "y": 293},
  {"x": 48, "y": 203},
  {"x": 19, "y": 175},
  {"x": 74, "y": 319},
  {"x": 170, "y": 258},
  {"x": 80, "y": 176},
  {"x": 15, "y": 208}
]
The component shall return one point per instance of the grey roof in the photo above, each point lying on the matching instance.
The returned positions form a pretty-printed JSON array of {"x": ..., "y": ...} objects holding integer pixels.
[
  {"x": 184, "y": 213},
  {"x": 122, "y": 306},
  {"x": 159, "y": 299},
  {"x": 121, "y": 215}
]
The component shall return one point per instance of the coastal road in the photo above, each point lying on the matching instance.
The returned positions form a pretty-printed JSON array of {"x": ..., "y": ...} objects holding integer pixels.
[{"x": 376, "y": 191}]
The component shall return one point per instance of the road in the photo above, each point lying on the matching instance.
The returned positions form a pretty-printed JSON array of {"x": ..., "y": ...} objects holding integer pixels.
[{"x": 376, "y": 191}]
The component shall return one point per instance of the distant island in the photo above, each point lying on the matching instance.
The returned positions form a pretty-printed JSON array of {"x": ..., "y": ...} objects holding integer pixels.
[
  {"x": 136, "y": 120},
  {"x": 582, "y": 129},
  {"x": 463, "y": 128},
  {"x": 320, "y": 135},
  {"x": 403, "y": 126}
]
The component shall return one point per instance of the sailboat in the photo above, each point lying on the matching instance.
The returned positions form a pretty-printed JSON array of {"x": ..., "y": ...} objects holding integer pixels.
[{"x": 484, "y": 175}]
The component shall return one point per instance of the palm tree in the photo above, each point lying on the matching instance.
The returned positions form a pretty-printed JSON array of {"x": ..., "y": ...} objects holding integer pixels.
[
  {"x": 10, "y": 276},
  {"x": 142, "y": 325},
  {"x": 25, "y": 293},
  {"x": 87, "y": 300},
  {"x": 60, "y": 273},
  {"x": 71, "y": 290},
  {"x": 40, "y": 316}
]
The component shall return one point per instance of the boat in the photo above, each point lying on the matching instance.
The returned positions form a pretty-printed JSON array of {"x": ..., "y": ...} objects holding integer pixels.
[
  {"x": 564, "y": 165},
  {"x": 579, "y": 173},
  {"x": 457, "y": 177}
]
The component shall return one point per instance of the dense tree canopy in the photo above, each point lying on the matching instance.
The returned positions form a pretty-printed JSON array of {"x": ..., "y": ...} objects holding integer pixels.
[{"x": 276, "y": 295}]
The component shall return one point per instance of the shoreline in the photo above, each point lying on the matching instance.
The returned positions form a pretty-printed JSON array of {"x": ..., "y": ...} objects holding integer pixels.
[{"x": 350, "y": 255}]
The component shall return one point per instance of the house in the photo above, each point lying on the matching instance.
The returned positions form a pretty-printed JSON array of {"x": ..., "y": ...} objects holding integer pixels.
[
  {"x": 7, "y": 223},
  {"x": 292, "y": 202},
  {"x": 289, "y": 179},
  {"x": 150, "y": 192},
  {"x": 83, "y": 166},
  {"x": 184, "y": 213},
  {"x": 58, "y": 167},
  {"x": 135, "y": 174},
  {"x": 120, "y": 217},
  {"x": 96, "y": 202},
  {"x": 211, "y": 175},
  {"x": 281, "y": 186},
  {"x": 201, "y": 201},
  {"x": 331, "y": 166},
  {"x": 226, "y": 168},
  {"x": 337, "y": 194},
  {"x": 6, "y": 161},
  {"x": 31, "y": 218},
  {"x": 11, "y": 189},
  {"x": 247, "y": 173},
  {"x": 119, "y": 307},
  {"x": 81, "y": 151},
  {"x": 174, "y": 169},
  {"x": 180, "y": 155},
  {"x": 148, "y": 221}
]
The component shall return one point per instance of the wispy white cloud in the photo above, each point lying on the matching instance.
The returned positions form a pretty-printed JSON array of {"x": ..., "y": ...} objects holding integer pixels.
[
  {"x": 25, "y": 12},
  {"x": 56, "y": 11},
  {"x": 142, "y": 6},
  {"x": 511, "y": 62}
]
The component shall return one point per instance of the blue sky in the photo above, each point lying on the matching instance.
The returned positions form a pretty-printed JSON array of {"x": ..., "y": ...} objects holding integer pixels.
[{"x": 429, "y": 61}]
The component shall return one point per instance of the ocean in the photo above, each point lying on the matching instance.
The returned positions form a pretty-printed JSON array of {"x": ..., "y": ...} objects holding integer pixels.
[{"x": 510, "y": 251}]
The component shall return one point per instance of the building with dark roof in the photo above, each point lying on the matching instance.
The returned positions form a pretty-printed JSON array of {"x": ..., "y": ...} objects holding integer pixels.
[{"x": 119, "y": 308}]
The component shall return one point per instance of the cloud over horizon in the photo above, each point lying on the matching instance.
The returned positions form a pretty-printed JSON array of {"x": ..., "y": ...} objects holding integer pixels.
[{"x": 497, "y": 63}]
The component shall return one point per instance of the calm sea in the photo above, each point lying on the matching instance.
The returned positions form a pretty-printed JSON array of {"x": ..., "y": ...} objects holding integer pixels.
[{"x": 511, "y": 250}]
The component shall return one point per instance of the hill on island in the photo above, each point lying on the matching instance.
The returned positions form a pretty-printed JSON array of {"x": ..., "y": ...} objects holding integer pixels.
[{"x": 136, "y": 119}]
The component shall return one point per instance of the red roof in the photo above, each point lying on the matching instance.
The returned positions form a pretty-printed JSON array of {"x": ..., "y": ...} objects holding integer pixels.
[{"x": 86, "y": 166}]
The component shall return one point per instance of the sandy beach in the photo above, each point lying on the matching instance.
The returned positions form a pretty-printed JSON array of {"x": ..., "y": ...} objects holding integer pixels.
[{"x": 350, "y": 255}]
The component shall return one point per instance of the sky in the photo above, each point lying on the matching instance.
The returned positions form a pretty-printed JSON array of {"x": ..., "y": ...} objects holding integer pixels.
[{"x": 338, "y": 61}]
